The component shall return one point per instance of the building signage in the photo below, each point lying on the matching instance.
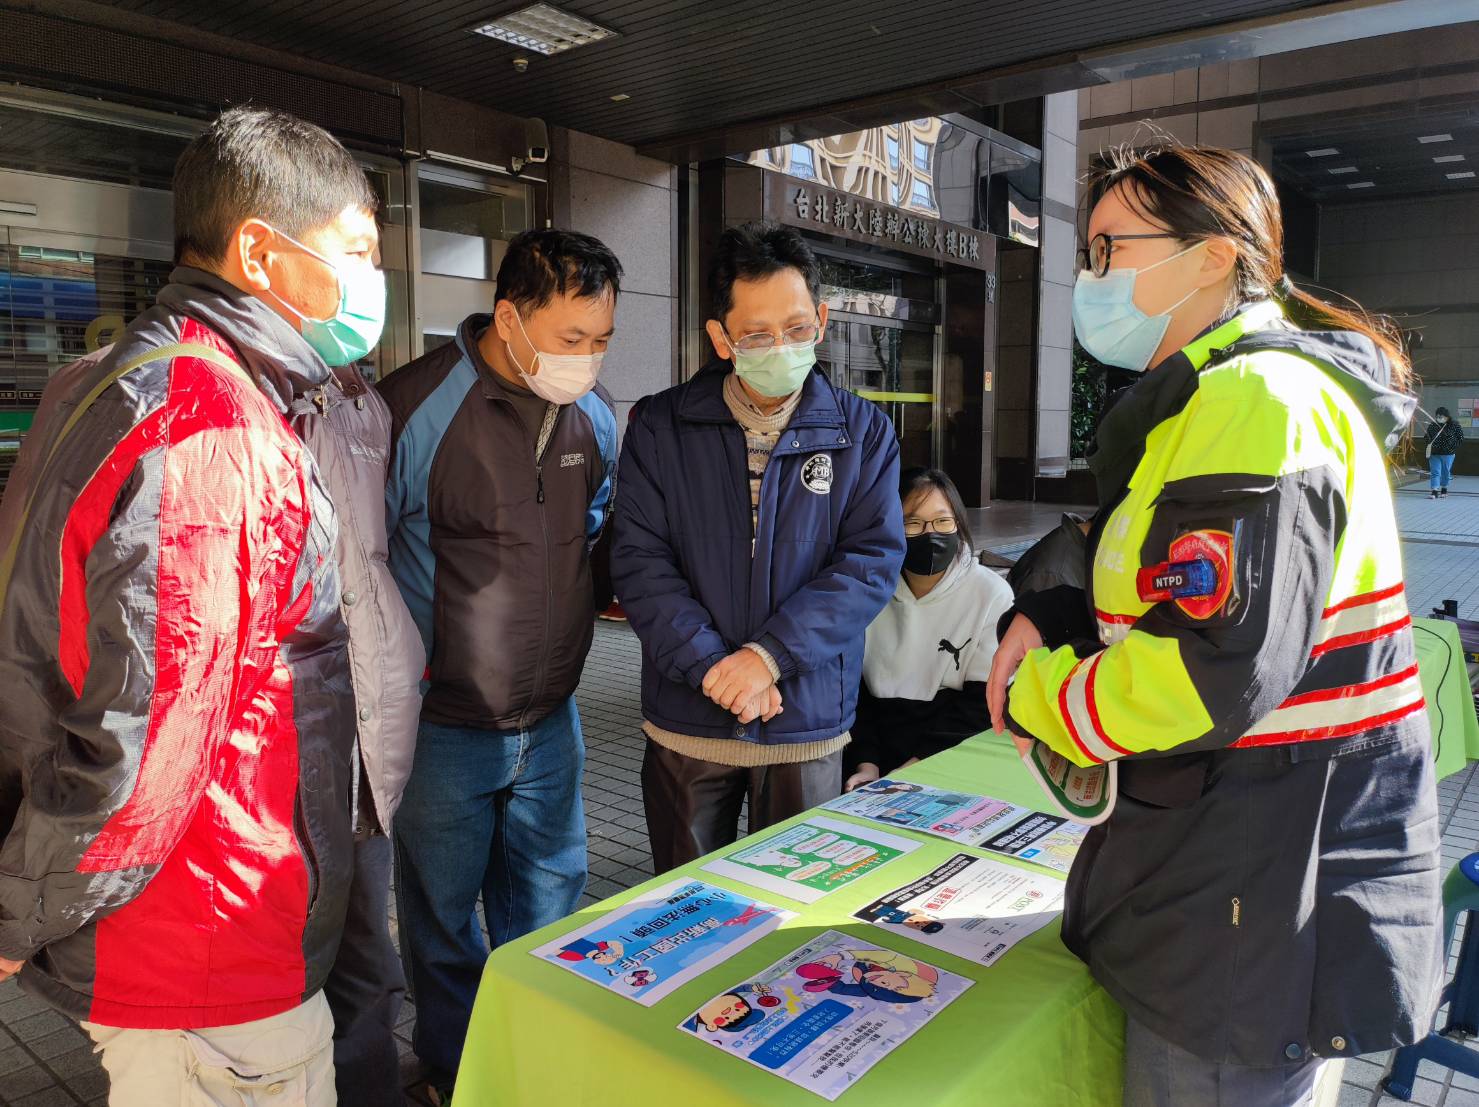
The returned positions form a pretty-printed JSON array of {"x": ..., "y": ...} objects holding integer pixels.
[{"x": 812, "y": 206}]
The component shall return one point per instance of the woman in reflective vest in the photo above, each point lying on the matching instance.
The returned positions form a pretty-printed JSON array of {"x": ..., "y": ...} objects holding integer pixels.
[{"x": 1265, "y": 891}]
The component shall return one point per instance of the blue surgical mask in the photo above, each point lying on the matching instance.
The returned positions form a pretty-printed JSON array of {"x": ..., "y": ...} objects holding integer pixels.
[
  {"x": 778, "y": 371},
  {"x": 354, "y": 329},
  {"x": 1110, "y": 326}
]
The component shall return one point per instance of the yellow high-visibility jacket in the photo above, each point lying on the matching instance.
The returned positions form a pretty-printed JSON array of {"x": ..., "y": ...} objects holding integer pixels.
[{"x": 1266, "y": 887}]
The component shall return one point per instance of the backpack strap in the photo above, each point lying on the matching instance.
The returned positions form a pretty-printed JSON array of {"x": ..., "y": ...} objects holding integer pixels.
[{"x": 172, "y": 351}]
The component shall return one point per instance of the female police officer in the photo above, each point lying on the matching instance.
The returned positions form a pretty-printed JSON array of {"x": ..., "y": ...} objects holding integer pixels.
[{"x": 1265, "y": 893}]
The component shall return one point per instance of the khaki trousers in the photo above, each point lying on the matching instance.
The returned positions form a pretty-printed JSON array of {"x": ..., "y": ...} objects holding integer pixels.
[{"x": 283, "y": 1061}]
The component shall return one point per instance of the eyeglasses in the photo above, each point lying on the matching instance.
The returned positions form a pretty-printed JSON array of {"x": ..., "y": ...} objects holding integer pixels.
[
  {"x": 804, "y": 334},
  {"x": 945, "y": 524},
  {"x": 1095, "y": 256}
]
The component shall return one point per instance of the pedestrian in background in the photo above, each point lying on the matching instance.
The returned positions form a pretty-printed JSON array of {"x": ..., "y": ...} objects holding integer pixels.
[{"x": 1443, "y": 438}]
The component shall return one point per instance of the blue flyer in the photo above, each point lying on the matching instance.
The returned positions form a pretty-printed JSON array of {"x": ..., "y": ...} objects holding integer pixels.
[
  {"x": 659, "y": 941},
  {"x": 827, "y": 1013}
]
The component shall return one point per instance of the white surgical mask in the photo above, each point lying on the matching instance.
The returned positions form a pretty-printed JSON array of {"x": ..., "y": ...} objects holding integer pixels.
[
  {"x": 561, "y": 378},
  {"x": 1110, "y": 326}
]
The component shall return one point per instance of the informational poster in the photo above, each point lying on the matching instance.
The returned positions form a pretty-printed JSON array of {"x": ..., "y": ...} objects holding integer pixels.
[
  {"x": 972, "y": 907},
  {"x": 958, "y": 816},
  {"x": 646, "y": 948},
  {"x": 827, "y": 1013},
  {"x": 810, "y": 859},
  {"x": 1047, "y": 840}
]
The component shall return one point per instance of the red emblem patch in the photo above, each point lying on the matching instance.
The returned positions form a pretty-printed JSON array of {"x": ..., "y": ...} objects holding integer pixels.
[{"x": 1216, "y": 548}]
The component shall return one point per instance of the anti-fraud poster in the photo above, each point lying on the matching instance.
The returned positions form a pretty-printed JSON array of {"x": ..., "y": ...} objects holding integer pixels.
[
  {"x": 965, "y": 819},
  {"x": 810, "y": 859},
  {"x": 972, "y": 907},
  {"x": 646, "y": 948},
  {"x": 827, "y": 1013}
]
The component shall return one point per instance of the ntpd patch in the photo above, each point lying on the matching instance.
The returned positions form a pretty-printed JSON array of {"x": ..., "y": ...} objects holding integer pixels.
[
  {"x": 1216, "y": 548},
  {"x": 816, "y": 474}
]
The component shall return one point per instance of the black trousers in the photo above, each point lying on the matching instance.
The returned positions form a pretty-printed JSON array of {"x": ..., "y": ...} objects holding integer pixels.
[
  {"x": 366, "y": 986},
  {"x": 693, "y": 806}
]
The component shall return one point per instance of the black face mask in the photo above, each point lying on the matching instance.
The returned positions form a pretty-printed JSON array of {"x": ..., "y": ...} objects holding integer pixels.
[{"x": 929, "y": 553}]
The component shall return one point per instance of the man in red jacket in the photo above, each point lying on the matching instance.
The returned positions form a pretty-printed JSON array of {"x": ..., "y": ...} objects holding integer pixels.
[{"x": 178, "y": 725}]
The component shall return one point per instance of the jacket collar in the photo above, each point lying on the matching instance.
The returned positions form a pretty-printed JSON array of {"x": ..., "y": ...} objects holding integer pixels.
[
  {"x": 1119, "y": 441},
  {"x": 493, "y": 386},
  {"x": 703, "y": 399},
  {"x": 273, "y": 351}
]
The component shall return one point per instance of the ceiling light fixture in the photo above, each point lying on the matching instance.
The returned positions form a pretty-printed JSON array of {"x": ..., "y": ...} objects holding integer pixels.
[
  {"x": 1343, "y": 169},
  {"x": 1459, "y": 176},
  {"x": 619, "y": 97},
  {"x": 1434, "y": 138},
  {"x": 1362, "y": 184},
  {"x": 1448, "y": 158},
  {"x": 1322, "y": 152},
  {"x": 544, "y": 29}
]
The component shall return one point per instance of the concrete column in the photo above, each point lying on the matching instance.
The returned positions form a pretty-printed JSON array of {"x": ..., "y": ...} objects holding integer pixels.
[
  {"x": 629, "y": 202},
  {"x": 1055, "y": 287}
]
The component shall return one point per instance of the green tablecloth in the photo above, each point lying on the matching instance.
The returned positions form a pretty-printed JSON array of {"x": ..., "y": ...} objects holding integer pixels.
[
  {"x": 1034, "y": 1030},
  {"x": 1445, "y": 677}
]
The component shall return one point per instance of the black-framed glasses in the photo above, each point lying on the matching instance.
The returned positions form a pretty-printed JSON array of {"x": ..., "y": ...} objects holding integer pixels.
[
  {"x": 803, "y": 334},
  {"x": 945, "y": 524},
  {"x": 1095, "y": 256}
]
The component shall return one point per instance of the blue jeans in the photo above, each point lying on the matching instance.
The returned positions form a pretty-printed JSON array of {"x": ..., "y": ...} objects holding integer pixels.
[
  {"x": 490, "y": 813},
  {"x": 1440, "y": 470}
]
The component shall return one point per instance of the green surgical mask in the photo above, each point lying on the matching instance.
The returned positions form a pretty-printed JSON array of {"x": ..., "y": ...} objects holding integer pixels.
[{"x": 778, "y": 371}]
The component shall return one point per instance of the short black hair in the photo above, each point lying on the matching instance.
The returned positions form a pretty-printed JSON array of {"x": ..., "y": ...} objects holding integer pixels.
[
  {"x": 920, "y": 478},
  {"x": 753, "y": 251},
  {"x": 1443, "y": 411},
  {"x": 540, "y": 265},
  {"x": 263, "y": 164}
]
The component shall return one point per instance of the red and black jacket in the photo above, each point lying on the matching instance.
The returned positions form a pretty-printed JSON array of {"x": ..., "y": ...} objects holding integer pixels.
[{"x": 177, "y": 722}]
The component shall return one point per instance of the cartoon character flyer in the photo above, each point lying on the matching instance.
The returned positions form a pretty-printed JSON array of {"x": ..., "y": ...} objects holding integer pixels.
[
  {"x": 962, "y": 818},
  {"x": 972, "y": 907},
  {"x": 646, "y": 948},
  {"x": 808, "y": 860},
  {"x": 827, "y": 1013}
]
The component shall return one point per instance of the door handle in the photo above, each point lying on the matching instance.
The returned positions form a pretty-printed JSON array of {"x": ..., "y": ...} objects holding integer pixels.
[{"x": 17, "y": 207}]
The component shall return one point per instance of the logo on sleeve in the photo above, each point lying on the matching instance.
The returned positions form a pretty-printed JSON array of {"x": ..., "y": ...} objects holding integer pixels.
[
  {"x": 816, "y": 474},
  {"x": 1215, "y": 547}
]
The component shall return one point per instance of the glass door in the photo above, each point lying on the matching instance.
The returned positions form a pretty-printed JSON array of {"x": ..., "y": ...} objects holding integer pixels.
[{"x": 881, "y": 343}]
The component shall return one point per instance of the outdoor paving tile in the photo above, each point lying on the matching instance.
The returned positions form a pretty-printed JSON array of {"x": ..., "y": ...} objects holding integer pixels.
[
  {"x": 35, "y": 1027},
  {"x": 47, "y": 1097},
  {"x": 24, "y": 1081},
  {"x": 54, "y": 1045},
  {"x": 75, "y": 1062}
]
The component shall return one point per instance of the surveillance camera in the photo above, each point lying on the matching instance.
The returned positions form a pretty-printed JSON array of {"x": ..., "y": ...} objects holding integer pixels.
[
  {"x": 536, "y": 141},
  {"x": 521, "y": 64}
]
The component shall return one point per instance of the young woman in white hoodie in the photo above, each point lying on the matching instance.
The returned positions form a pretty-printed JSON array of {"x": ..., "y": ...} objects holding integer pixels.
[{"x": 929, "y": 652}]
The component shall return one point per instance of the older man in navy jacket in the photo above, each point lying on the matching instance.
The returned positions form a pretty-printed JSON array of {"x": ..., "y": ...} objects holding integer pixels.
[{"x": 757, "y": 534}]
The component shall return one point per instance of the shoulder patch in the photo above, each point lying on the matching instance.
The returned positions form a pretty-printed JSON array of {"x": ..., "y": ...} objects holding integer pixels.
[{"x": 1215, "y": 548}]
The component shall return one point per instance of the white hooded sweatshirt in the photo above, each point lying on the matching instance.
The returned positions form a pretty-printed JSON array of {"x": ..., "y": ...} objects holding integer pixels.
[{"x": 916, "y": 647}]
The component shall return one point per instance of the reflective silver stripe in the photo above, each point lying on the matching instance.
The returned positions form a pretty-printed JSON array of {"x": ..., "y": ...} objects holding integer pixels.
[
  {"x": 1342, "y": 710},
  {"x": 1076, "y": 700}
]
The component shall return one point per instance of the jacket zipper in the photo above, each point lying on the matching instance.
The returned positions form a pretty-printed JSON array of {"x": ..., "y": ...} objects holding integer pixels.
[
  {"x": 305, "y": 847},
  {"x": 546, "y": 434}
]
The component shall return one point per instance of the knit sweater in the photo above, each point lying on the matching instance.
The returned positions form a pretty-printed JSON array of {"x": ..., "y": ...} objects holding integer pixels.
[{"x": 762, "y": 432}]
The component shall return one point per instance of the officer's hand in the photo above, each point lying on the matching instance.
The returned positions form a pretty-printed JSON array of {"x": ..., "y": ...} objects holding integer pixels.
[
  {"x": 9, "y": 968},
  {"x": 1021, "y": 638},
  {"x": 867, "y": 773},
  {"x": 737, "y": 680}
]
